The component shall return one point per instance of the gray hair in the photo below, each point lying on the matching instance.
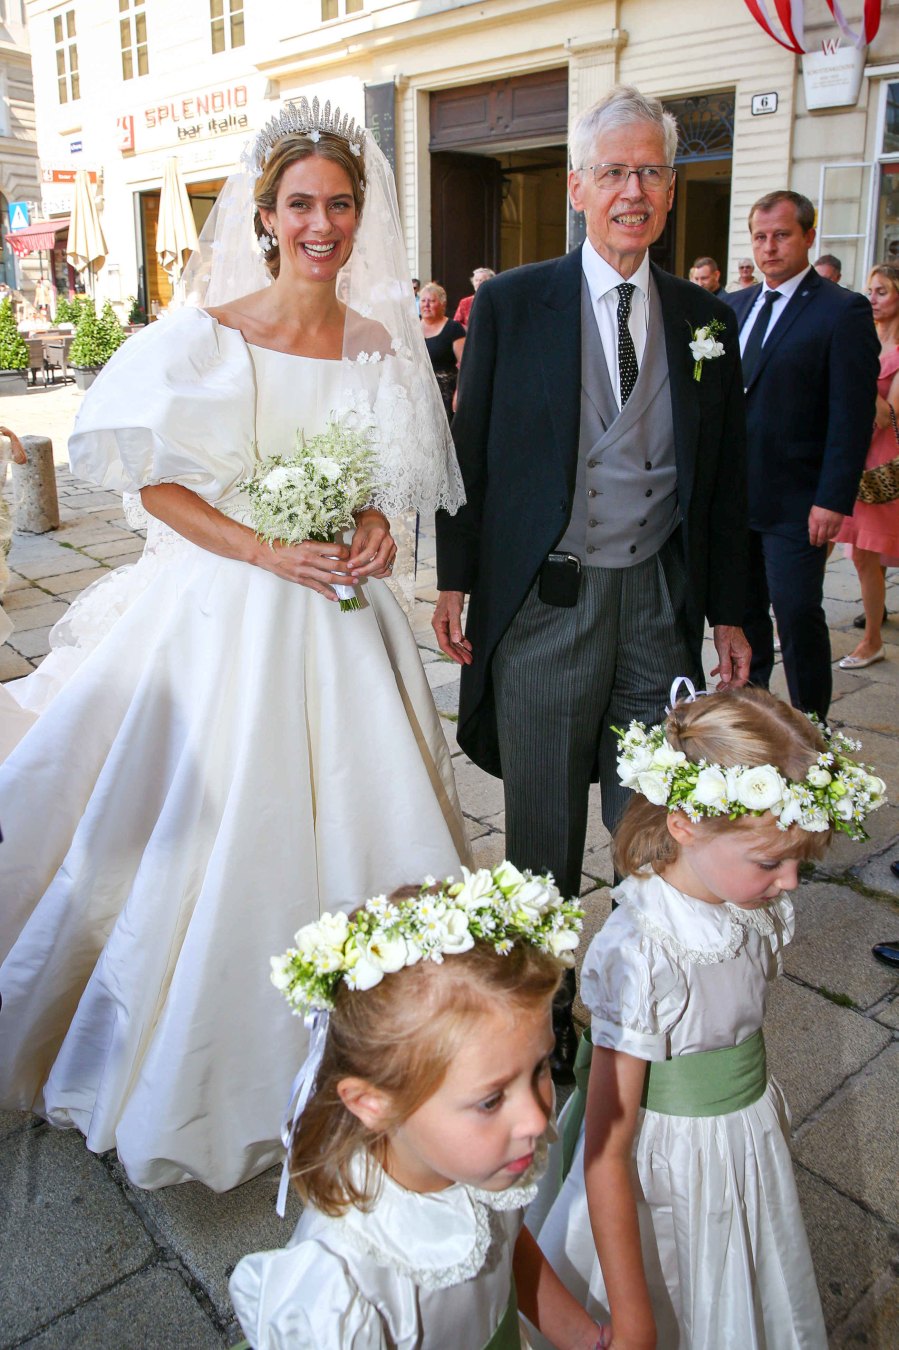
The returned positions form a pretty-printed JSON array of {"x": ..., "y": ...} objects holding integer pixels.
[
  {"x": 620, "y": 107},
  {"x": 746, "y": 262}
]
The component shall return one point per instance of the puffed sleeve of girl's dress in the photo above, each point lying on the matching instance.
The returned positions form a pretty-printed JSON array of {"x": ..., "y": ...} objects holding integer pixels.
[
  {"x": 634, "y": 989},
  {"x": 176, "y": 404},
  {"x": 303, "y": 1298}
]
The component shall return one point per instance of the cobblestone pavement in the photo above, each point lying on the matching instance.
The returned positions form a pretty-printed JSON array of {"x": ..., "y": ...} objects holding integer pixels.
[{"x": 88, "y": 1261}]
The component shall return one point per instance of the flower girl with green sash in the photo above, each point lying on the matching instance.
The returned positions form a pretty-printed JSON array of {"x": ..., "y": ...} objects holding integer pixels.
[
  {"x": 678, "y": 1213},
  {"x": 418, "y": 1124}
]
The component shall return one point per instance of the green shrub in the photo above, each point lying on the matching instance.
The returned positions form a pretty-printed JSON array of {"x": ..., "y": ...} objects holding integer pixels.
[
  {"x": 95, "y": 338},
  {"x": 13, "y": 350}
]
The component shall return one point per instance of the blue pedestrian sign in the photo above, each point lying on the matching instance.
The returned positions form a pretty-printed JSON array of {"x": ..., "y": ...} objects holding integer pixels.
[{"x": 18, "y": 215}]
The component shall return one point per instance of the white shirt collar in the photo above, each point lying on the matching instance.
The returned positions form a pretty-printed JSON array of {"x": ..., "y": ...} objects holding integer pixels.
[
  {"x": 602, "y": 277},
  {"x": 786, "y": 288}
]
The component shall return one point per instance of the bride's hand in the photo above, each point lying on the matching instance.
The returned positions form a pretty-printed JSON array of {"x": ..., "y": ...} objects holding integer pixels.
[
  {"x": 372, "y": 550},
  {"x": 321, "y": 567}
]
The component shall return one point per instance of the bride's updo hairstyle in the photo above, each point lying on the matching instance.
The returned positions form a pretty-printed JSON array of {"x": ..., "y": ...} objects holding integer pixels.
[
  {"x": 401, "y": 1037},
  {"x": 745, "y": 726},
  {"x": 289, "y": 150}
]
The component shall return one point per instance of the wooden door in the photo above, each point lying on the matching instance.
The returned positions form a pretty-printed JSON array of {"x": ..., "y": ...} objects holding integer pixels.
[{"x": 466, "y": 202}]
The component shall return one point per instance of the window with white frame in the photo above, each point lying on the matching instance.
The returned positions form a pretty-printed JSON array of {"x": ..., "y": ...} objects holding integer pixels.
[
  {"x": 67, "y": 82},
  {"x": 226, "y": 17},
  {"x": 133, "y": 38},
  {"x": 337, "y": 9}
]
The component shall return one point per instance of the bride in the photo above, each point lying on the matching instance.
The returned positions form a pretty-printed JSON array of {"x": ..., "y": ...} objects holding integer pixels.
[{"x": 220, "y": 752}]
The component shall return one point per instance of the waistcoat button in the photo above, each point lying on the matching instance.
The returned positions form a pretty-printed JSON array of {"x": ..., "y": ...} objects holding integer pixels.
[
  {"x": 648, "y": 492},
  {"x": 633, "y": 548}
]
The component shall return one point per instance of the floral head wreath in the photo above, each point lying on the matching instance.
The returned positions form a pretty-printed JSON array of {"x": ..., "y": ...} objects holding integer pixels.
[
  {"x": 501, "y": 907},
  {"x": 836, "y": 791}
]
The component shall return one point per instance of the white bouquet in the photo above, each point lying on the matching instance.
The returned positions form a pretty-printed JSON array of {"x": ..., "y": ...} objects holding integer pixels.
[{"x": 313, "y": 493}]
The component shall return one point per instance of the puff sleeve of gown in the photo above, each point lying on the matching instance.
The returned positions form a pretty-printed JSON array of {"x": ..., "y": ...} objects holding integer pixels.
[
  {"x": 634, "y": 989},
  {"x": 176, "y": 404},
  {"x": 303, "y": 1298}
]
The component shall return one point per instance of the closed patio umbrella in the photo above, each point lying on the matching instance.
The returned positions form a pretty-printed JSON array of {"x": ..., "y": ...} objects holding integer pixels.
[
  {"x": 176, "y": 232},
  {"x": 86, "y": 249}
]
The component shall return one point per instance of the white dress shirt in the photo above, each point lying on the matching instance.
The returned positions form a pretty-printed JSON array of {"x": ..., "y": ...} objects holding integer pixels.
[
  {"x": 602, "y": 280},
  {"x": 786, "y": 290}
]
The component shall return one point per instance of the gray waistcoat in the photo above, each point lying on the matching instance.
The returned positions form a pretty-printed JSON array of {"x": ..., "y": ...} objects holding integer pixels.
[{"x": 625, "y": 500}]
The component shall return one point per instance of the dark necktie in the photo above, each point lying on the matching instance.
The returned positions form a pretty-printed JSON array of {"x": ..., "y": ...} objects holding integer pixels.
[
  {"x": 753, "y": 348},
  {"x": 627, "y": 356}
]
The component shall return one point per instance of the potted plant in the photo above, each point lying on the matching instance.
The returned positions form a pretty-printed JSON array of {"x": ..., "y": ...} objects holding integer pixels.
[
  {"x": 137, "y": 315},
  {"x": 13, "y": 353},
  {"x": 94, "y": 343}
]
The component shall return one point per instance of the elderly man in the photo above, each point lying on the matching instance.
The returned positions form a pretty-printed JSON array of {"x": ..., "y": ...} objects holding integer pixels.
[
  {"x": 706, "y": 273},
  {"x": 810, "y": 366},
  {"x": 463, "y": 309},
  {"x": 605, "y": 515},
  {"x": 745, "y": 274}
]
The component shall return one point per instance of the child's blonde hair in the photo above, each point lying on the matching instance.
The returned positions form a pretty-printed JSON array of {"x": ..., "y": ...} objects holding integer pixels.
[
  {"x": 735, "y": 726},
  {"x": 401, "y": 1036}
]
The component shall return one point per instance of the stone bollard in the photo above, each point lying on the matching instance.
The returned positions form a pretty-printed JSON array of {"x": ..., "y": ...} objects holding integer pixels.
[{"x": 34, "y": 487}]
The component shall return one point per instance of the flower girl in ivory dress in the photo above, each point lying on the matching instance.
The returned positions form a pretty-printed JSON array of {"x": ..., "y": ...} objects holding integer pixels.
[
  {"x": 417, "y": 1149},
  {"x": 679, "y": 1213}
]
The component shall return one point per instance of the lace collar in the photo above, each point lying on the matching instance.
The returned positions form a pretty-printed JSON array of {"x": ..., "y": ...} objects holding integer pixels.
[
  {"x": 691, "y": 930},
  {"x": 450, "y": 1232}
]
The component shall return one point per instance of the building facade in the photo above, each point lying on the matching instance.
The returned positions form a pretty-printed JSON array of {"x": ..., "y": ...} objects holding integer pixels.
[
  {"x": 19, "y": 175},
  {"x": 471, "y": 100}
]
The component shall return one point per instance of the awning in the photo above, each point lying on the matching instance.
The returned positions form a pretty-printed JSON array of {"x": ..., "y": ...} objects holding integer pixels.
[{"x": 41, "y": 235}]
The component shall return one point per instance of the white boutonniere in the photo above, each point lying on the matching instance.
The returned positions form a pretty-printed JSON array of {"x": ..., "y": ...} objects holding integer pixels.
[{"x": 705, "y": 345}]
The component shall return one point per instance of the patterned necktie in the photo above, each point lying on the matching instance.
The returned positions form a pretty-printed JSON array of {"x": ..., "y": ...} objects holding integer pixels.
[
  {"x": 627, "y": 356},
  {"x": 753, "y": 348}
]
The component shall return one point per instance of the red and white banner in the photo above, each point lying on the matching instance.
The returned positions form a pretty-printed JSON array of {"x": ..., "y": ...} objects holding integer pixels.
[{"x": 791, "y": 19}]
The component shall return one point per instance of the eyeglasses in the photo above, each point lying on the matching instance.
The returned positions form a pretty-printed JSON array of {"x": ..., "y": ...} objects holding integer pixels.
[{"x": 653, "y": 177}]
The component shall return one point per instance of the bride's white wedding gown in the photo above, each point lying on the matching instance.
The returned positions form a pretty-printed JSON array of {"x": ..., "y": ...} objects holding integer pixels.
[{"x": 219, "y": 756}]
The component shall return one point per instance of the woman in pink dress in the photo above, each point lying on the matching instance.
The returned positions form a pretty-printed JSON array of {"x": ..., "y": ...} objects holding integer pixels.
[{"x": 873, "y": 531}]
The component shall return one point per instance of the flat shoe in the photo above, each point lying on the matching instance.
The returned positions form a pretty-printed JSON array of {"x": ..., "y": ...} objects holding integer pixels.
[
  {"x": 887, "y": 952},
  {"x": 859, "y": 662}
]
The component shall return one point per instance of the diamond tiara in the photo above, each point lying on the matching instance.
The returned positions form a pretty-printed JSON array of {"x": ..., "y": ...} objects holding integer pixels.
[{"x": 301, "y": 119}]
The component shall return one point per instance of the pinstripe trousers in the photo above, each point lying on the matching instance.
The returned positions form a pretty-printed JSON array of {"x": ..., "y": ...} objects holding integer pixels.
[{"x": 562, "y": 678}]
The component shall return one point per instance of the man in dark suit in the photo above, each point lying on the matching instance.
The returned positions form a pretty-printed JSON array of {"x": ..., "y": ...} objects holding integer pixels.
[
  {"x": 606, "y": 512},
  {"x": 810, "y": 366}
]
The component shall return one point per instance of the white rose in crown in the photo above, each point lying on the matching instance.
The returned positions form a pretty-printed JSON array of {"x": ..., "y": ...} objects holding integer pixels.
[
  {"x": 761, "y": 788},
  {"x": 819, "y": 777},
  {"x": 475, "y": 891},
  {"x": 635, "y": 762},
  {"x": 457, "y": 937},
  {"x": 711, "y": 789},
  {"x": 389, "y": 953},
  {"x": 562, "y": 943},
  {"x": 654, "y": 787},
  {"x": 666, "y": 757}
]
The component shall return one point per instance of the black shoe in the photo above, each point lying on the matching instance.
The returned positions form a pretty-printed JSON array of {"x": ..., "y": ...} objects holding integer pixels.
[
  {"x": 888, "y": 953},
  {"x": 859, "y": 620},
  {"x": 561, "y": 1061},
  {"x": 894, "y": 868}
]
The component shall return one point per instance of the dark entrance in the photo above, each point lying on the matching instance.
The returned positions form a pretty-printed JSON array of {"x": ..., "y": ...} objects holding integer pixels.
[
  {"x": 497, "y": 165},
  {"x": 699, "y": 223}
]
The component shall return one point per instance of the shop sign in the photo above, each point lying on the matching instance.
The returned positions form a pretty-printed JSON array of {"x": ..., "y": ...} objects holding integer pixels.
[
  {"x": 65, "y": 174},
  {"x": 201, "y": 115},
  {"x": 833, "y": 76}
]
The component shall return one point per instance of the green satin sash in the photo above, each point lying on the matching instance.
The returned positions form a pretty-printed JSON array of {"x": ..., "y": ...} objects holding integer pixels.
[
  {"x": 707, "y": 1083},
  {"x": 508, "y": 1334}
]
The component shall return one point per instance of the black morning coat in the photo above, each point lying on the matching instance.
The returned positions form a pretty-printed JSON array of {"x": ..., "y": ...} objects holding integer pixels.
[{"x": 516, "y": 434}]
